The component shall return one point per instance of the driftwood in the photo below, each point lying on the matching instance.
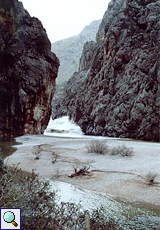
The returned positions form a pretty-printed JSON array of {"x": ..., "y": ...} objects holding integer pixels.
[{"x": 81, "y": 172}]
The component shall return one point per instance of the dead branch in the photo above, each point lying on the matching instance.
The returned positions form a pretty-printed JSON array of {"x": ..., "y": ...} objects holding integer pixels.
[{"x": 81, "y": 172}]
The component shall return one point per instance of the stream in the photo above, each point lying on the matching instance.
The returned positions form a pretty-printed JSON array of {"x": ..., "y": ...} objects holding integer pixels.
[
  {"x": 129, "y": 215},
  {"x": 7, "y": 146}
]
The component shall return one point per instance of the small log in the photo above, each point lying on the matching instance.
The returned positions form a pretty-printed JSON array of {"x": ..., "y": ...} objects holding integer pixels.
[{"x": 82, "y": 172}]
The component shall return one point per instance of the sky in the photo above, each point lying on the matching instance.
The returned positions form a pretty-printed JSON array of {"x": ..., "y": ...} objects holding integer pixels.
[{"x": 65, "y": 18}]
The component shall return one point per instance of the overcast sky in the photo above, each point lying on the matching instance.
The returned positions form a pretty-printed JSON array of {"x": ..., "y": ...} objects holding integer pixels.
[{"x": 65, "y": 18}]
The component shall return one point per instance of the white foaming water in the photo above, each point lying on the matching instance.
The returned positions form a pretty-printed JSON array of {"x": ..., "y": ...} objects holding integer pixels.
[{"x": 63, "y": 127}]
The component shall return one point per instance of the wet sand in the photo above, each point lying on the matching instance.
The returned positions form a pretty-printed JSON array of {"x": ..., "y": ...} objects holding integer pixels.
[{"x": 120, "y": 177}]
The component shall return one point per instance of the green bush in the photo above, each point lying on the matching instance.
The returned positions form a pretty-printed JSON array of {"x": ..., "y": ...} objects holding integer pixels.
[
  {"x": 39, "y": 207},
  {"x": 97, "y": 146},
  {"x": 99, "y": 221}
]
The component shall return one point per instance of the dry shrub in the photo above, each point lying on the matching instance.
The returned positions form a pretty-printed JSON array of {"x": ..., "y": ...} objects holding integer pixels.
[
  {"x": 122, "y": 150},
  {"x": 82, "y": 171},
  {"x": 150, "y": 178},
  {"x": 97, "y": 146}
]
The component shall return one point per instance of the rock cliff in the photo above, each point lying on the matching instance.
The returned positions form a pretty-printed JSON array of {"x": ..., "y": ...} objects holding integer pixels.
[
  {"x": 69, "y": 51},
  {"x": 117, "y": 90},
  {"x": 28, "y": 70}
]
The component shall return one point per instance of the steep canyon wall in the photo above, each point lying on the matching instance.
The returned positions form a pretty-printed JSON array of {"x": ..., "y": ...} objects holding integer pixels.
[
  {"x": 28, "y": 70},
  {"x": 117, "y": 89}
]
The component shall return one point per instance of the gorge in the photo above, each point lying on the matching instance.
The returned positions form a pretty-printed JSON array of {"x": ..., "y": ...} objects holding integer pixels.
[
  {"x": 117, "y": 89},
  {"x": 115, "y": 95}
]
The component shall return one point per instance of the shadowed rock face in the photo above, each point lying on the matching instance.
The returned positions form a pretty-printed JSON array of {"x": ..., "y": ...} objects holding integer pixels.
[
  {"x": 28, "y": 70},
  {"x": 117, "y": 90}
]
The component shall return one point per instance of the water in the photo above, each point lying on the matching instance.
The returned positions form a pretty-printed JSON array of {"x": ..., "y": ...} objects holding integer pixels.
[
  {"x": 63, "y": 127},
  {"x": 6, "y": 146},
  {"x": 128, "y": 215}
]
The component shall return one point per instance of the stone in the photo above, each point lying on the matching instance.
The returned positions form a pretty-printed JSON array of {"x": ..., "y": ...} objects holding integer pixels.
[
  {"x": 28, "y": 70},
  {"x": 116, "y": 93}
]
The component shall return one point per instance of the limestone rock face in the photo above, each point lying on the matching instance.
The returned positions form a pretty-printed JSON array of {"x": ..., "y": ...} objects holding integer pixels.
[
  {"x": 28, "y": 70},
  {"x": 69, "y": 51},
  {"x": 117, "y": 90}
]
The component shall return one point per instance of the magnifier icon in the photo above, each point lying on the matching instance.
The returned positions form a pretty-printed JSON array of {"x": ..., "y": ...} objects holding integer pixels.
[{"x": 9, "y": 217}]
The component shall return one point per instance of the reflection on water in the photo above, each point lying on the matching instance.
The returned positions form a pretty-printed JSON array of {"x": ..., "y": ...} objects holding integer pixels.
[{"x": 6, "y": 146}]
